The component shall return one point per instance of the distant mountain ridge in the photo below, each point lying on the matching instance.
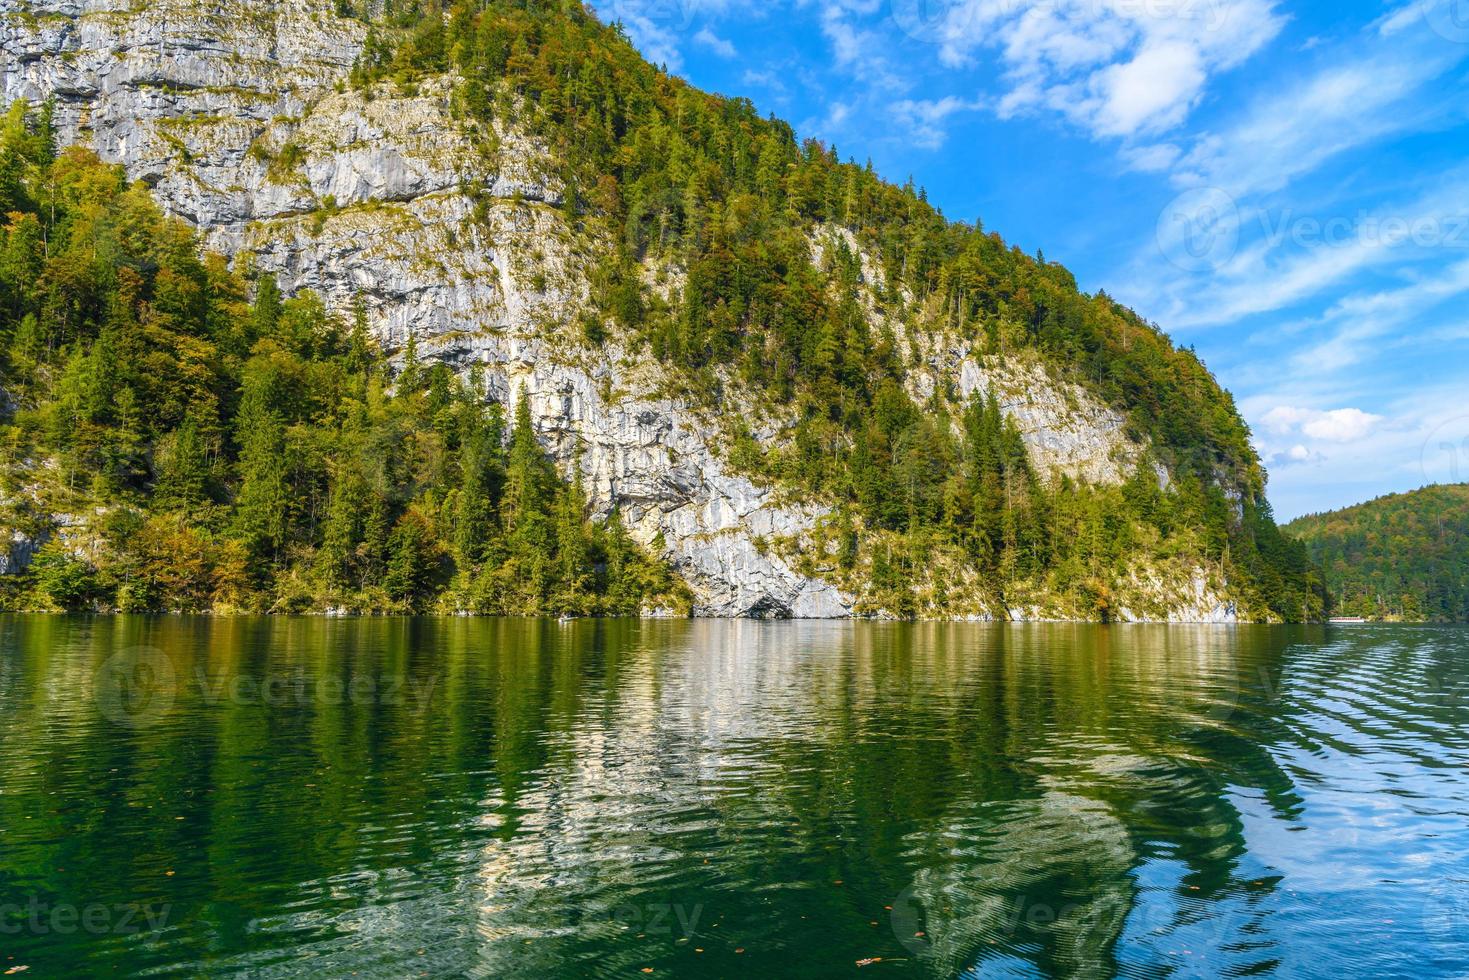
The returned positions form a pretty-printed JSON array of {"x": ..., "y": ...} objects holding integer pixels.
[
  {"x": 1403, "y": 556},
  {"x": 798, "y": 385}
]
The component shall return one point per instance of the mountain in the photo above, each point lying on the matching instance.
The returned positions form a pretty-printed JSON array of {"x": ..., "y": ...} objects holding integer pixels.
[
  {"x": 1404, "y": 556},
  {"x": 798, "y": 387}
]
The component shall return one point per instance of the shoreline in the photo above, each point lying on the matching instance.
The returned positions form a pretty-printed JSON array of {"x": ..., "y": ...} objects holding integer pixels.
[{"x": 567, "y": 620}]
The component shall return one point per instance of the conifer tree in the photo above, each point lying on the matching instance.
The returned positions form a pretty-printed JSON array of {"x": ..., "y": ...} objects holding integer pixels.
[
  {"x": 412, "y": 560},
  {"x": 573, "y": 549},
  {"x": 267, "y": 310},
  {"x": 261, "y": 507},
  {"x": 183, "y": 476},
  {"x": 483, "y": 475}
]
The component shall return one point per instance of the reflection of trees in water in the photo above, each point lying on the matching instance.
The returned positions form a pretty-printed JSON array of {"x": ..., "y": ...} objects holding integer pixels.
[
  {"x": 1066, "y": 798},
  {"x": 1050, "y": 749},
  {"x": 1046, "y": 875}
]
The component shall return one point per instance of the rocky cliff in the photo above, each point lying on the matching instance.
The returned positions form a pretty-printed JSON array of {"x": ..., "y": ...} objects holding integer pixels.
[{"x": 238, "y": 117}]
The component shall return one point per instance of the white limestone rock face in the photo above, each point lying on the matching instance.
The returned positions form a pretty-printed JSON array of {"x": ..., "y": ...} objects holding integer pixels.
[
  {"x": 17, "y": 551},
  {"x": 1191, "y": 600},
  {"x": 1065, "y": 429},
  {"x": 237, "y": 115},
  {"x": 232, "y": 113}
]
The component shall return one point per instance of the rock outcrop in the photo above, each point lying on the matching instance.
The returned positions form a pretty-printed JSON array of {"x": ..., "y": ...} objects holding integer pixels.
[{"x": 238, "y": 117}]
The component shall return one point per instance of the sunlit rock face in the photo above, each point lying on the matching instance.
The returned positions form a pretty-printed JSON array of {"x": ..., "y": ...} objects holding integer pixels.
[{"x": 238, "y": 116}]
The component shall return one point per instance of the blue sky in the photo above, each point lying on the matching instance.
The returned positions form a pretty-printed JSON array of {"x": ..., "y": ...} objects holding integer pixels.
[{"x": 1282, "y": 184}]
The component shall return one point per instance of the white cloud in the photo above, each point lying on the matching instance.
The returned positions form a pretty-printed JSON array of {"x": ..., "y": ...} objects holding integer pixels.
[
  {"x": 1294, "y": 456},
  {"x": 1273, "y": 258},
  {"x": 651, "y": 37},
  {"x": 1336, "y": 425},
  {"x": 715, "y": 43},
  {"x": 1152, "y": 91},
  {"x": 1397, "y": 20},
  {"x": 1366, "y": 318},
  {"x": 1340, "y": 425},
  {"x": 1157, "y": 158},
  {"x": 1402, "y": 451},
  {"x": 924, "y": 118},
  {"x": 849, "y": 45},
  {"x": 655, "y": 26},
  {"x": 1260, "y": 280},
  {"x": 1289, "y": 132},
  {"x": 1115, "y": 67},
  {"x": 837, "y": 113},
  {"x": 859, "y": 52}
]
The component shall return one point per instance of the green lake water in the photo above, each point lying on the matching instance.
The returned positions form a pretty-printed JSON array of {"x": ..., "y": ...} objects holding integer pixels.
[{"x": 518, "y": 798}]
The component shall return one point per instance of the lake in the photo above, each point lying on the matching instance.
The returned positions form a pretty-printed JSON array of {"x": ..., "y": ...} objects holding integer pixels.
[{"x": 500, "y": 798}]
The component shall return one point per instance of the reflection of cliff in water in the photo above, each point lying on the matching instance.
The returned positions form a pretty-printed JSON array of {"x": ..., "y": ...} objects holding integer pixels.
[
  {"x": 1067, "y": 800},
  {"x": 1042, "y": 765}
]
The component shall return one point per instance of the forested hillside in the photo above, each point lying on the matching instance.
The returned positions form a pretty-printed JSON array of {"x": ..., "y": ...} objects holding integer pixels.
[
  {"x": 249, "y": 455},
  {"x": 703, "y": 221},
  {"x": 1404, "y": 556},
  {"x": 729, "y": 197}
]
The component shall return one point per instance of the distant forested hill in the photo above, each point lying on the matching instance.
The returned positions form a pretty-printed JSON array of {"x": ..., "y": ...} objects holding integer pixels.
[{"x": 1403, "y": 556}]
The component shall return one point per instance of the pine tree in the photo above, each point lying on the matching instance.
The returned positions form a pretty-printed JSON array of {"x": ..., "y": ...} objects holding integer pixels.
[
  {"x": 526, "y": 512},
  {"x": 621, "y": 595},
  {"x": 483, "y": 475},
  {"x": 262, "y": 504},
  {"x": 412, "y": 561},
  {"x": 183, "y": 475},
  {"x": 376, "y": 530},
  {"x": 342, "y": 530},
  {"x": 411, "y": 376},
  {"x": 267, "y": 310},
  {"x": 525, "y": 479},
  {"x": 573, "y": 549}
]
